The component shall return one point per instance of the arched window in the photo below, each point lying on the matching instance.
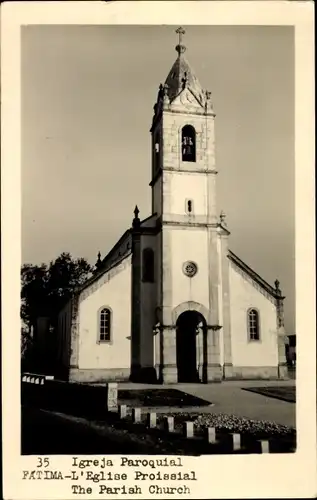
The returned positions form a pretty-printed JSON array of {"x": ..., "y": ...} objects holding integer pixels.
[
  {"x": 253, "y": 324},
  {"x": 148, "y": 265},
  {"x": 105, "y": 319},
  {"x": 188, "y": 143}
]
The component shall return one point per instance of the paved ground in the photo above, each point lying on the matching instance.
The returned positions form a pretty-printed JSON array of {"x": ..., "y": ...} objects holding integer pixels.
[{"x": 229, "y": 397}]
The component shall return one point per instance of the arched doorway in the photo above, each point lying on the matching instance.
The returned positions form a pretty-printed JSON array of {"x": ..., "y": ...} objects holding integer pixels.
[{"x": 186, "y": 345}]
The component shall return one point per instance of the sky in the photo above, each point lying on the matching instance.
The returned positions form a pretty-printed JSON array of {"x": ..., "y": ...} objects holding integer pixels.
[{"x": 87, "y": 103}]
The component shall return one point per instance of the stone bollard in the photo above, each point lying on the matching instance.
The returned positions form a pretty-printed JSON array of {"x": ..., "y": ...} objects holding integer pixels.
[
  {"x": 169, "y": 424},
  {"x": 122, "y": 411},
  {"x": 211, "y": 435},
  {"x": 42, "y": 381},
  {"x": 235, "y": 441},
  {"x": 24, "y": 378},
  {"x": 112, "y": 396},
  {"x": 188, "y": 429},
  {"x": 37, "y": 380},
  {"x": 264, "y": 446},
  {"x": 151, "y": 419},
  {"x": 136, "y": 415}
]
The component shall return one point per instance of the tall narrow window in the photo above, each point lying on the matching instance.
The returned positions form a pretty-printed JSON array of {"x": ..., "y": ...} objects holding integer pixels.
[
  {"x": 157, "y": 148},
  {"x": 188, "y": 143},
  {"x": 148, "y": 265},
  {"x": 189, "y": 206},
  {"x": 253, "y": 325},
  {"x": 105, "y": 318}
]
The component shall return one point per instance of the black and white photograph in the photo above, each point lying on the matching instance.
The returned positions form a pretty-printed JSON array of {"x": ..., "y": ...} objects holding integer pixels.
[
  {"x": 130, "y": 193},
  {"x": 158, "y": 299}
]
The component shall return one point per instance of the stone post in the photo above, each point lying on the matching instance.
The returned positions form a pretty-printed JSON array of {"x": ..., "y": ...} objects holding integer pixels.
[
  {"x": 265, "y": 446},
  {"x": 123, "y": 411},
  {"x": 169, "y": 424},
  {"x": 151, "y": 419},
  {"x": 211, "y": 435},
  {"x": 136, "y": 415},
  {"x": 188, "y": 429},
  {"x": 112, "y": 396}
]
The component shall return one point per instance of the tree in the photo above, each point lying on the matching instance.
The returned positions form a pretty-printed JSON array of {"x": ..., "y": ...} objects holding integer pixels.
[{"x": 46, "y": 289}]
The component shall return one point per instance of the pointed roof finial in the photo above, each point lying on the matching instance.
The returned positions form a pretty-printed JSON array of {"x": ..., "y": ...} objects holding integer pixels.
[
  {"x": 98, "y": 263},
  {"x": 277, "y": 287},
  {"x": 136, "y": 220},
  {"x": 180, "y": 48},
  {"x": 136, "y": 212}
]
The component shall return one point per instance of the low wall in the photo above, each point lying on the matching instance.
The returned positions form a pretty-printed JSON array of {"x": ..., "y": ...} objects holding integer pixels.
[{"x": 69, "y": 397}]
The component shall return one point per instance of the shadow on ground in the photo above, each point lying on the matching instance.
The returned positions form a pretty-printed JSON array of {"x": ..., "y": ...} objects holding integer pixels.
[
  {"x": 285, "y": 393},
  {"x": 151, "y": 398}
]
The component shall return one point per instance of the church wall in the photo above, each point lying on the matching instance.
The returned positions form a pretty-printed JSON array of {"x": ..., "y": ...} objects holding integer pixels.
[
  {"x": 158, "y": 271},
  {"x": 188, "y": 186},
  {"x": 157, "y": 196},
  {"x": 256, "y": 353},
  {"x": 220, "y": 302},
  {"x": 148, "y": 305},
  {"x": 182, "y": 249},
  {"x": 113, "y": 358}
]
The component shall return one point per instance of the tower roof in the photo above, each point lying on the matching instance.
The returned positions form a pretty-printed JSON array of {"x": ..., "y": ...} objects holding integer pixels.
[
  {"x": 181, "y": 80},
  {"x": 181, "y": 74}
]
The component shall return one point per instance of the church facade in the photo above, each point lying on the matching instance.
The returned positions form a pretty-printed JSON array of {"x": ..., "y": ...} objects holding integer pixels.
[{"x": 170, "y": 302}]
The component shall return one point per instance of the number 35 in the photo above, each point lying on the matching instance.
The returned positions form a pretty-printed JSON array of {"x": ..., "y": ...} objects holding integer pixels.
[{"x": 43, "y": 462}]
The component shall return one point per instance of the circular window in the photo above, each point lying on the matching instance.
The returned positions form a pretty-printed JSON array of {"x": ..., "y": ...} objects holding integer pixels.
[{"x": 190, "y": 269}]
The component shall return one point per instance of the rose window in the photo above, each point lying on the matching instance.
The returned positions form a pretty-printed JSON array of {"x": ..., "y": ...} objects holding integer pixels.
[{"x": 190, "y": 269}]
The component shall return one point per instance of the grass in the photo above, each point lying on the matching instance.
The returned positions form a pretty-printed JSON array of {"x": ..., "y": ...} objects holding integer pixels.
[
  {"x": 285, "y": 393},
  {"x": 155, "y": 398}
]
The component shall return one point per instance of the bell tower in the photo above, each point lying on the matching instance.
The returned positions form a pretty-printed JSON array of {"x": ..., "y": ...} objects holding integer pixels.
[
  {"x": 183, "y": 147},
  {"x": 192, "y": 240}
]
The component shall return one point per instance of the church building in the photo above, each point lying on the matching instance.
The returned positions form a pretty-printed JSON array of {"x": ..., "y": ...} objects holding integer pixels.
[{"x": 170, "y": 302}]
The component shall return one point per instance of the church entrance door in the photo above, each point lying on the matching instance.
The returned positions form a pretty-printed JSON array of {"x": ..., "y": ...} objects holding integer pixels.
[{"x": 186, "y": 342}]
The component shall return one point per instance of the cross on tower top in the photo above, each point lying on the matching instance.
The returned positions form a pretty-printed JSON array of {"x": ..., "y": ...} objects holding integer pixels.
[
  {"x": 180, "y": 48},
  {"x": 180, "y": 31}
]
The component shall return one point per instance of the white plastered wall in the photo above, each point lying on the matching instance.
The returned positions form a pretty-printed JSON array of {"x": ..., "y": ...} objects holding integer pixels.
[
  {"x": 115, "y": 294},
  {"x": 182, "y": 249},
  {"x": 243, "y": 296}
]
